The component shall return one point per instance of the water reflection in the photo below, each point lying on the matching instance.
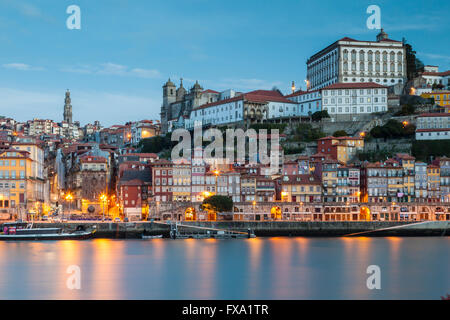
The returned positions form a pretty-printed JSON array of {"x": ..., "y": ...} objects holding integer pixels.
[{"x": 260, "y": 268}]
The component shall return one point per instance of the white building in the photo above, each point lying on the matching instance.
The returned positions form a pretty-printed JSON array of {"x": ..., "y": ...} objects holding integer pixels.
[
  {"x": 252, "y": 107},
  {"x": 433, "y": 126},
  {"x": 308, "y": 102},
  {"x": 354, "y": 98},
  {"x": 349, "y": 60}
]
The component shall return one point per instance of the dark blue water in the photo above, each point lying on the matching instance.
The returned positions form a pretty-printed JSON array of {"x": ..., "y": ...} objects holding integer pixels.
[{"x": 261, "y": 268}]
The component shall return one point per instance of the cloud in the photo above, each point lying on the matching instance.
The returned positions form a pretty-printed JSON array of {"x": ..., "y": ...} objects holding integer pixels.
[
  {"x": 107, "y": 107},
  {"x": 434, "y": 56},
  {"x": 21, "y": 67},
  {"x": 246, "y": 84},
  {"x": 24, "y": 8},
  {"x": 113, "y": 69}
]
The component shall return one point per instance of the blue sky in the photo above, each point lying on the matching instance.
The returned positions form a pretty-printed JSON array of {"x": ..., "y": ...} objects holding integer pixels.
[{"x": 116, "y": 64}]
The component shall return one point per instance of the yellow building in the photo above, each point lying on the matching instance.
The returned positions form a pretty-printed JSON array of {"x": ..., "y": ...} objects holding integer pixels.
[
  {"x": 37, "y": 190},
  {"x": 433, "y": 182},
  {"x": 181, "y": 181},
  {"x": 408, "y": 164},
  {"x": 16, "y": 188},
  {"x": 301, "y": 189},
  {"x": 248, "y": 188},
  {"x": 441, "y": 98},
  {"x": 342, "y": 149}
]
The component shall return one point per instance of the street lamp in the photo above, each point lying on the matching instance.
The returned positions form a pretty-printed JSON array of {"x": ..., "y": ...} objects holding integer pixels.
[
  {"x": 103, "y": 198},
  {"x": 69, "y": 198}
]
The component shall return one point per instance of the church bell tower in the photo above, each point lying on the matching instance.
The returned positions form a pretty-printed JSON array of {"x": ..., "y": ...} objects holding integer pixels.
[{"x": 67, "y": 108}]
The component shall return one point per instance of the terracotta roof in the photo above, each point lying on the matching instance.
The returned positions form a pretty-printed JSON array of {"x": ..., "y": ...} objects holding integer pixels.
[
  {"x": 437, "y": 74},
  {"x": 354, "y": 85},
  {"x": 300, "y": 93},
  {"x": 434, "y": 115},
  {"x": 405, "y": 156},
  {"x": 301, "y": 179},
  {"x": 210, "y": 91},
  {"x": 432, "y": 130},
  {"x": 262, "y": 96}
]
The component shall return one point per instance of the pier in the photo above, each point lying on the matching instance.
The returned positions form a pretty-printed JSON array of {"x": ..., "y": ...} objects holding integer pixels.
[{"x": 134, "y": 230}]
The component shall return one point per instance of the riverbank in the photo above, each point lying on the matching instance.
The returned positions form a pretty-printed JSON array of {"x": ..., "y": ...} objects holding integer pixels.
[{"x": 134, "y": 230}]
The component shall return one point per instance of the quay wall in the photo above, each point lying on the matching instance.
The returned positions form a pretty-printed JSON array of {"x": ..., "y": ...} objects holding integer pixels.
[{"x": 134, "y": 230}]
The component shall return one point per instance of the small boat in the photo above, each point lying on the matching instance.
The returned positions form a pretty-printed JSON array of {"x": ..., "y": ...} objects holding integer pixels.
[
  {"x": 25, "y": 231},
  {"x": 159, "y": 236}
]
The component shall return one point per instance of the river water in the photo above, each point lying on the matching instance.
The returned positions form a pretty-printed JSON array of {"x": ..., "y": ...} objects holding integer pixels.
[{"x": 260, "y": 268}]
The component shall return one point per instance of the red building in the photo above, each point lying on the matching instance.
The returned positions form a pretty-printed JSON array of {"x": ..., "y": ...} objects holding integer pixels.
[{"x": 162, "y": 180}]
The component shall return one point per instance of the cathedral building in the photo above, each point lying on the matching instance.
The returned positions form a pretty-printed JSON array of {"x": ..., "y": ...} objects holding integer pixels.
[{"x": 178, "y": 103}]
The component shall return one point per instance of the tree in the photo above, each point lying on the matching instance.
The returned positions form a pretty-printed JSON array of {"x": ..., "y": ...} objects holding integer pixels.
[
  {"x": 319, "y": 115},
  {"x": 340, "y": 133},
  {"x": 393, "y": 129},
  {"x": 413, "y": 64},
  {"x": 156, "y": 144},
  {"x": 218, "y": 203},
  {"x": 305, "y": 132}
]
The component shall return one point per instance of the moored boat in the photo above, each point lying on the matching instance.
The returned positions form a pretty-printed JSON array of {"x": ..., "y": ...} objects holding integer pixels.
[
  {"x": 159, "y": 236},
  {"x": 25, "y": 231}
]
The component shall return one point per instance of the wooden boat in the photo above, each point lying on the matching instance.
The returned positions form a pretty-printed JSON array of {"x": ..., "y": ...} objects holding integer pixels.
[
  {"x": 25, "y": 231},
  {"x": 159, "y": 236}
]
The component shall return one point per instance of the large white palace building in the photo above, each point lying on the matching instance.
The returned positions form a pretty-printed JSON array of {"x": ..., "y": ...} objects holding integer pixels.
[{"x": 349, "y": 60}]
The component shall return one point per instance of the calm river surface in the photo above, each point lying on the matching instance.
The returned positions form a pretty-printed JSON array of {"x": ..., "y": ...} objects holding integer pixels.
[{"x": 260, "y": 268}]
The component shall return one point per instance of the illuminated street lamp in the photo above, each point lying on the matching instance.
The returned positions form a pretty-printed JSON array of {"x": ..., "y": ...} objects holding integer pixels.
[
  {"x": 104, "y": 199},
  {"x": 68, "y": 197}
]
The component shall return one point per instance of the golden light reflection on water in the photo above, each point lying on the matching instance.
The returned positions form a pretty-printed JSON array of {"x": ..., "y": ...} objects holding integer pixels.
[
  {"x": 107, "y": 266},
  {"x": 254, "y": 247},
  {"x": 358, "y": 256},
  {"x": 281, "y": 248},
  {"x": 208, "y": 269}
]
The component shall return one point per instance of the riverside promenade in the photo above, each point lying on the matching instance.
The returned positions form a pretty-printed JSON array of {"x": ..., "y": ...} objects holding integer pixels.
[{"x": 134, "y": 230}]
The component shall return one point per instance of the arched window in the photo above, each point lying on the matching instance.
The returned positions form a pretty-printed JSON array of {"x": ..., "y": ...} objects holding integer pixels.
[
  {"x": 377, "y": 56},
  {"x": 384, "y": 56},
  {"x": 353, "y": 66},
  {"x": 392, "y": 54},
  {"x": 345, "y": 54},
  {"x": 353, "y": 55},
  {"x": 361, "y": 66},
  {"x": 370, "y": 66},
  {"x": 377, "y": 67},
  {"x": 361, "y": 55},
  {"x": 370, "y": 56},
  {"x": 384, "y": 67}
]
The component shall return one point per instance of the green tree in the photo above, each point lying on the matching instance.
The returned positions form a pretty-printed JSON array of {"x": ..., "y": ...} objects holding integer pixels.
[
  {"x": 306, "y": 132},
  {"x": 218, "y": 203},
  {"x": 340, "y": 133},
  {"x": 156, "y": 144},
  {"x": 319, "y": 115}
]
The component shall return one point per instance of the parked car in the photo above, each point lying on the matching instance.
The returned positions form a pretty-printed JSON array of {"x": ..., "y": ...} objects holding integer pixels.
[
  {"x": 117, "y": 220},
  {"x": 44, "y": 218}
]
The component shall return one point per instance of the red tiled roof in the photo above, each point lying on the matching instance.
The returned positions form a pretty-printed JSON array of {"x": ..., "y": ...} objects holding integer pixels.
[
  {"x": 437, "y": 74},
  {"x": 432, "y": 130},
  {"x": 210, "y": 91},
  {"x": 300, "y": 93},
  {"x": 262, "y": 96},
  {"x": 301, "y": 179},
  {"x": 423, "y": 115},
  {"x": 354, "y": 85}
]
